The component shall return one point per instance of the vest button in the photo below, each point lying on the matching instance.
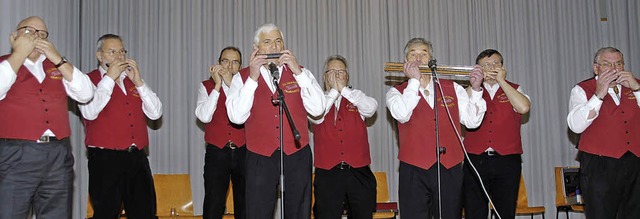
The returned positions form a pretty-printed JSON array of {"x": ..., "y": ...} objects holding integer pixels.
[
  {"x": 628, "y": 142},
  {"x": 46, "y": 110},
  {"x": 277, "y": 127},
  {"x": 131, "y": 125},
  {"x": 47, "y": 122}
]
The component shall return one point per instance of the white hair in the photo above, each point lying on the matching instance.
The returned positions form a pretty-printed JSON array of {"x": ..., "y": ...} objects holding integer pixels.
[{"x": 266, "y": 28}]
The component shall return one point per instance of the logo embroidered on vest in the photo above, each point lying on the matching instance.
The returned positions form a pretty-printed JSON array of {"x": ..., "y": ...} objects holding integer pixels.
[
  {"x": 448, "y": 100},
  {"x": 54, "y": 73},
  {"x": 630, "y": 95},
  {"x": 291, "y": 87},
  {"x": 134, "y": 91},
  {"x": 352, "y": 108},
  {"x": 502, "y": 98}
]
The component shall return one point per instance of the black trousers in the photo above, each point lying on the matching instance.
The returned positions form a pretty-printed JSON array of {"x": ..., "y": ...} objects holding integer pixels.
[
  {"x": 418, "y": 191},
  {"x": 117, "y": 177},
  {"x": 501, "y": 178},
  {"x": 610, "y": 186},
  {"x": 220, "y": 165},
  {"x": 263, "y": 174},
  {"x": 354, "y": 186}
]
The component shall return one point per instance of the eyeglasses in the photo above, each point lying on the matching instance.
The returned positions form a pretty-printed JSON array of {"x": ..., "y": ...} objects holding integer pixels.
[
  {"x": 491, "y": 65},
  {"x": 619, "y": 64},
  {"x": 114, "y": 53},
  {"x": 42, "y": 34},
  {"x": 335, "y": 71},
  {"x": 227, "y": 61}
]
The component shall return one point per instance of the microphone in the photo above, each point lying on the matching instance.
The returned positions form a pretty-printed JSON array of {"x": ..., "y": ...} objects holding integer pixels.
[
  {"x": 432, "y": 64},
  {"x": 274, "y": 70}
]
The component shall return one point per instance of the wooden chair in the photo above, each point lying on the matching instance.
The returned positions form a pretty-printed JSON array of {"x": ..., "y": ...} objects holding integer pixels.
[
  {"x": 522, "y": 206},
  {"x": 229, "y": 211},
  {"x": 561, "y": 200},
  {"x": 384, "y": 207},
  {"x": 173, "y": 191}
]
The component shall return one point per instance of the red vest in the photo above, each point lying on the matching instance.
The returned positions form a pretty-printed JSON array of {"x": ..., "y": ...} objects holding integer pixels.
[
  {"x": 500, "y": 128},
  {"x": 31, "y": 107},
  {"x": 344, "y": 139},
  {"x": 617, "y": 128},
  {"x": 263, "y": 123},
  {"x": 418, "y": 138},
  {"x": 220, "y": 130},
  {"x": 121, "y": 123}
]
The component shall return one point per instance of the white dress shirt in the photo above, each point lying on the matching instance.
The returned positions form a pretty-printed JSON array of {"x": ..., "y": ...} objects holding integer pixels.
[
  {"x": 579, "y": 107},
  {"x": 493, "y": 89},
  {"x": 79, "y": 88},
  {"x": 208, "y": 103},
  {"x": 367, "y": 106},
  {"x": 401, "y": 105},
  {"x": 241, "y": 94},
  {"x": 151, "y": 105}
]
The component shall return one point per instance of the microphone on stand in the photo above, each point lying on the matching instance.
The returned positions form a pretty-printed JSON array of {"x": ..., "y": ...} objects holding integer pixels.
[
  {"x": 432, "y": 64},
  {"x": 274, "y": 71}
]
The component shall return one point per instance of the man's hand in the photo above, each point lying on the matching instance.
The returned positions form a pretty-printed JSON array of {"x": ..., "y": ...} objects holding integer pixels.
[
  {"x": 341, "y": 81},
  {"x": 214, "y": 71},
  {"x": 23, "y": 45},
  {"x": 475, "y": 78},
  {"x": 115, "y": 69},
  {"x": 412, "y": 70},
  {"x": 604, "y": 82},
  {"x": 627, "y": 80},
  {"x": 289, "y": 59},
  {"x": 47, "y": 49},
  {"x": 133, "y": 73},
  {"x": 255, "y": 62}
]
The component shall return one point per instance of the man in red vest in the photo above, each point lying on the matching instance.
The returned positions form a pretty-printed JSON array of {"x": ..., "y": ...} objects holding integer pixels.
[
  {"x": 36, "y": 164},
  {"x": 250, "y": 103},
  {"x": 341, "y": 148},
  {"x": 226, "y": 151},
  {"x": 605, "y": 111},
  {"x": 495, "y": 147},
  {"x": 116, "y": 134},
  {"x": 412, "y": 105}
]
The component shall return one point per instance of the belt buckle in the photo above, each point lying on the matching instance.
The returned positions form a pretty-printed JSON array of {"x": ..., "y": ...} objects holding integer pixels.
[
  {"x": 231, "y": 145},
  {"x": 132, "y": 148},
  {"x": 43, "y": 139},
  {"x": 491, "y": 153},
  {"x": 344, "y": 165}
]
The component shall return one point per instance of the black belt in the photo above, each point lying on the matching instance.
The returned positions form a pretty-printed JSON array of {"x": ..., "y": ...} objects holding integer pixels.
[
  {"x": 42, "y": 139},
  {"x": 129, "y": 149},
  {"x": 343, "y": 166}
]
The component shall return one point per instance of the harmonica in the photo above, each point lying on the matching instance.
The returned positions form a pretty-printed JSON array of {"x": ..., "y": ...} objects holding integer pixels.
[{"x": 445, "y": 72}]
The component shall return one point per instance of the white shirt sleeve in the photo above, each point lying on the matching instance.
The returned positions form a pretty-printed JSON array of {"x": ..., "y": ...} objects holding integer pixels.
[
  {"x": 330, "y": 99},
  {"x": 240, "y": 99},
  {"x": 579, "y": 108},
  {"x": 367, "y": 106},
  {"x": 311, "y": 93},
  {"x": 7, "y": 78},
  {"x": 401, "y": 105},
  {"x": 207, "y": 104},
  {"x": 101, "y": 97},
  {"x": 151, "y": 105},
  {"x": 472, "y": 108},
  {"x": 80, "y": 88}
]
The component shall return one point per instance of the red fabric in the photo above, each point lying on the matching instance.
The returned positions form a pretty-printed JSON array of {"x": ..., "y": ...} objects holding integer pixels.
[
  {"x": 220, "y": 130},
  {"x": 30, "y": 107},
  {"x": 417, "y": 136},
  {"x": 121, "y": 123},
  {"x": 341, "y": 139},
  {"x": 500, "y": 128},
  {"x": 262, "y": 126},
  {"x": 615, "y": 131}
]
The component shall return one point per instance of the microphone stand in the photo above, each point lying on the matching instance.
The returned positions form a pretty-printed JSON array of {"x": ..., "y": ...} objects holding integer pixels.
[
  {"x": 439, "y": 150},
  {"x": 282, "y": 106}
]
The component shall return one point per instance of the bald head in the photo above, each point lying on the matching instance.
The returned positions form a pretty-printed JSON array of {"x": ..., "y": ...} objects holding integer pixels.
[{"x": 33, "y": 21}]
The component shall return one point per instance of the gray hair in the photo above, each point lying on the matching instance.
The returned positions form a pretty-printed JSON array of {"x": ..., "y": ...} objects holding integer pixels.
[
  {"x": 603, "y": 50},
  {"x": 106, "y": 37},
  {"x": 418, "y": 41},
  {"x": 335, "y": 58},
  {"x": 265, "y": 29}
]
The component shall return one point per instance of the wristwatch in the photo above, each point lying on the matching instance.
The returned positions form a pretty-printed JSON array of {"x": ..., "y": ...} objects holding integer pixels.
[{"x": 64, "y": 60}]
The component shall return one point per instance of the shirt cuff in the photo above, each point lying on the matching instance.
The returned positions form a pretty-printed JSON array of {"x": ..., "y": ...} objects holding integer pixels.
[
  {"x": 250, "y": 85},
  {"x": 6, "y": 72},
  {"x": 594, "y": 103},
  {"x": 143, "y": 90},
  {"x": 414, "y": 84},
  {"x": 75, "y": 80},
  {"x": 333, "y": 94},
  {"x": 476, "y": 94}
]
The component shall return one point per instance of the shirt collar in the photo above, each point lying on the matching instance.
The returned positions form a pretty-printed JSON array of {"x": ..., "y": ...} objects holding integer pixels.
[{"x": 38, "y": 61}]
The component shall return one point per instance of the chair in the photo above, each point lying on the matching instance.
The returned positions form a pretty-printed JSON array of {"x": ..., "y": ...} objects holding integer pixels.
[
  {"x": 229, "y": 211},
  {"x": 522, "y": 206},
  {"x": 384, "y": 207},
  {"x": 173, "y": 193},
  {"x": 561, "y": 200}
]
